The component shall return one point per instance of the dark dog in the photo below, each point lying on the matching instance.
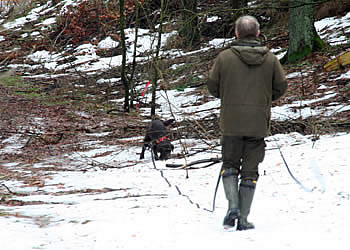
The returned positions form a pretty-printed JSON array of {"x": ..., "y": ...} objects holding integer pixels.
[{"x": 156, "y": 140}]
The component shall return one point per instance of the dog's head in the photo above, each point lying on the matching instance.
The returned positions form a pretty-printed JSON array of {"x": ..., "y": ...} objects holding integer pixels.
[{"x": 164, "y": 148}]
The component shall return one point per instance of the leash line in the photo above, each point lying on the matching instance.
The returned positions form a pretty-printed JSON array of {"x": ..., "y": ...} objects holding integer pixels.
[
  {"x": 179, "y": 191},
  {"x": 216, "y": 189},
  {"x": 288, "y": 169}
]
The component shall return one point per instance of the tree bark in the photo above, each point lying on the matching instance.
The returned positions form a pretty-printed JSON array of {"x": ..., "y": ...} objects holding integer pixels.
[
  {"x": 123, "y": 66},
  {"x": 302, "y": 33},
  {"x": 131, "y": 79},
  {"x": 237, "y": 4},
  {"x": 237, "y": 7},
  {"x": 156, "y": 60}
]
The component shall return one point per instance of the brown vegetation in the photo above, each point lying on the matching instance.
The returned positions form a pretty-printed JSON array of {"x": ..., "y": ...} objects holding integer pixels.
[
  {"x": 69, "y": 114},
  {"x": 332, "y": 8}
]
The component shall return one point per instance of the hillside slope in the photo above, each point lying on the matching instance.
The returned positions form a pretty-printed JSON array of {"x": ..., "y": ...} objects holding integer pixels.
[{"x": 58, "y": 91}]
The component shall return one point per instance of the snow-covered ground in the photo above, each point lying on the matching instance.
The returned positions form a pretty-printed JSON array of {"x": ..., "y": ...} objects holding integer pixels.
[
  {"x": 151, "y": 209},
  {"x": 155, "y": 207}
]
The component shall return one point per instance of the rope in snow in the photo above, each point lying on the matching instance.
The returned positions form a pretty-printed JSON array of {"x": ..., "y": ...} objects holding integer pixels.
[
  {"x": 179, "y": 191},
  {"x": 289, "y": 171}
]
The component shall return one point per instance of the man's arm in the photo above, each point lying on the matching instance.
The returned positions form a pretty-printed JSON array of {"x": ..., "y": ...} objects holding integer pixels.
[
  {"x": 279, "y": 85},
  {"x": 213, "y": 81}
]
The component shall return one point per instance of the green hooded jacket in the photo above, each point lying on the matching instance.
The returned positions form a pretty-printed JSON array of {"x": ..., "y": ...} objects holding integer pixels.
[{"x": 247, "y": 78}]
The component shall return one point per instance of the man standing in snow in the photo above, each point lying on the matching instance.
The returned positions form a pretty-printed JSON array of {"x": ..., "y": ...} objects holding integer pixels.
[{"x": 247, "y": 78}]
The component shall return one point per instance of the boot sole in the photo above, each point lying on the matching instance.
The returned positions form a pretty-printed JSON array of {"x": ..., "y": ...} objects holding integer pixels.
[{"x": 243, "y": 228}]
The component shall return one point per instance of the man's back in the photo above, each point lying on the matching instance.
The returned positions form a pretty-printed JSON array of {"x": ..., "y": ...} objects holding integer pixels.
[{"x": 246, "y": 79}]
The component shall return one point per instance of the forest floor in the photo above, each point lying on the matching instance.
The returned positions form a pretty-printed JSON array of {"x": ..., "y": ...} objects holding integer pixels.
[{"x": 47, "y": 118}]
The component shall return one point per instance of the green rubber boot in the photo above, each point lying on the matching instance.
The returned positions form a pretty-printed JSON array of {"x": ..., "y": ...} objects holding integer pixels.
[
  {"x": 230, "y": 182},
  {"x": 246, "y": 194}
]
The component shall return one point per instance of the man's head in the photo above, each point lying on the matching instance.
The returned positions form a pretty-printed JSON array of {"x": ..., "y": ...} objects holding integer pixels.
[{"x": 246, "y": 26}]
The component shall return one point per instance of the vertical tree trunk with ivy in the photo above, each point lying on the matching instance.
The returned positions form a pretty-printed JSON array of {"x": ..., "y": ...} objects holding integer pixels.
[
  {"x": 131, "y": 80},
  {"x": 123, "y": 66},
  {"x": 189, "y": 27},
  {"x": 155, "y": 61},
  {"x": 303, "y": 38},
  {"x": 237, "y": 6}
]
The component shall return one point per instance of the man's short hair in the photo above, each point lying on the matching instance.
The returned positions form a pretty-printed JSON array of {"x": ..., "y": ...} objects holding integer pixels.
[{"x": 247, "y": 26}]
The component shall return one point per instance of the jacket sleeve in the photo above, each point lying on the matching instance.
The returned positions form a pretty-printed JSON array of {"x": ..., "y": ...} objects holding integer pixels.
[
  {"x": 213, "y": 81},
  {"x": 279, "y": 84}
]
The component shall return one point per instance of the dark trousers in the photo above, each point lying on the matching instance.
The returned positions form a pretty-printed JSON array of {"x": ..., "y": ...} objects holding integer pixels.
[{"x": 243, "y": 154}]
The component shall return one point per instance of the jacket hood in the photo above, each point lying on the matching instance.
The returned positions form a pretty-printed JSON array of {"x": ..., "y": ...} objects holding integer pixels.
[{"x": 250, "y": 51}]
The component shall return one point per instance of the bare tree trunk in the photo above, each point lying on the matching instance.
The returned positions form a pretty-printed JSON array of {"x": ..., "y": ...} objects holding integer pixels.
[
  {"x": 131, "y": 80},
  {"x": 123, "y": 66},
  {"x": 156, "y": 60}
]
